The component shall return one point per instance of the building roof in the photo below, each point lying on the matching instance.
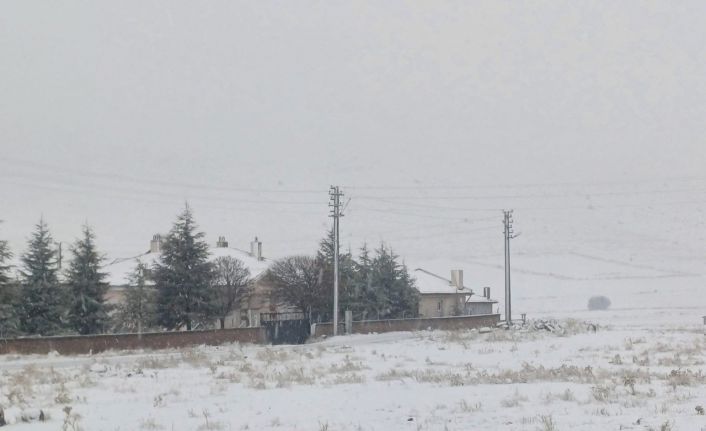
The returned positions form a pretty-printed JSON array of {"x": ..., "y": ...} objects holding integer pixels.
[
  {"x": 119, "y": 270},
  {"x": 429, "y": 283}
]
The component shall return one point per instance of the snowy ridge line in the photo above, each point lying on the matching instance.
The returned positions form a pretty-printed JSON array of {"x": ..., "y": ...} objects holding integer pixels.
[
  {"x": 634, "y": 265},
  {"x": 558, "y": 276}
]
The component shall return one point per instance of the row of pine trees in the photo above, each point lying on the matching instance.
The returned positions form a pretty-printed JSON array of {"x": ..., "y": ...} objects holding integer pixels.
[
  {"x": 186, "y": 290},
  {"x": 39, "y": 303}
]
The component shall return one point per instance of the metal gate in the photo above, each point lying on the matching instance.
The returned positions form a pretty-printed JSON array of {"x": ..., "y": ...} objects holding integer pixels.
[{"x": 286, "y": 328}]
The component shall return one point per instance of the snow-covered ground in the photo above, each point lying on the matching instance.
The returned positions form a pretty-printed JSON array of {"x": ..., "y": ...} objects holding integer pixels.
[{"x": 642, "y": 369}]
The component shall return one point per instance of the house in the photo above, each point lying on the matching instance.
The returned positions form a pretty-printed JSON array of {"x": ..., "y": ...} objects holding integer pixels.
[
  {"x": 443, "y": 297},
  {"x": 247, "y": 313}
]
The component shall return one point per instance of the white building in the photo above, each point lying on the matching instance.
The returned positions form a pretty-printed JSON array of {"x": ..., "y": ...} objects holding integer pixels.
[
  {"x": 247, "y": 313},
  {"x": 444, "y": 297}
]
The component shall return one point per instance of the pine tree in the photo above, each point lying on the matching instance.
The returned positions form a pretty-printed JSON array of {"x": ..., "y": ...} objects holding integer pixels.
[
  {"x": 395, "y": 292},
  {"x": 367, "y": 298},
  {"x": 137, "y": 313},
  {"x": 5, "y": 256},
  {"x": 88, "y": 312},
  {"x": 346, "y": 270},
  {"x": 9, "y": 313},
  {"x": 408, "y": 293},
  {"x": 9, "y": 318},
  {"x": 183, "y": 277},
  {"x": 42, "y": 301}
]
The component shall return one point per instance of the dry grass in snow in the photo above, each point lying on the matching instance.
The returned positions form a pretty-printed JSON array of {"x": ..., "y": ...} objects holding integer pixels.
[{"x": 616, "y": 378}]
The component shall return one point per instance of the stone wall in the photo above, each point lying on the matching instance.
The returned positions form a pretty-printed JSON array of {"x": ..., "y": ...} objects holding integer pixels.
[
  {"x": 392, "y": 325},
  {"x": 83, "y": 344}
]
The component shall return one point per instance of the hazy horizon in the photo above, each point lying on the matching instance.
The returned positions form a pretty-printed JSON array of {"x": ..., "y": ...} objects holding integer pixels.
[{"x": 430, "y": 116}]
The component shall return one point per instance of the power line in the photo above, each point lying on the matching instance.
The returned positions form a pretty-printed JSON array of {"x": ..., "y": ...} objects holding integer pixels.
[
  {"x": 111, "y": 176},
  {"x": 410, "y": 214},
  {"x": 570, "y": 194},
  {"x": 112, "y": 195},
  {"x": 445, "y": 234},
  {"x": 101, "y": 188},
  {"x": 531, "y": 185}
]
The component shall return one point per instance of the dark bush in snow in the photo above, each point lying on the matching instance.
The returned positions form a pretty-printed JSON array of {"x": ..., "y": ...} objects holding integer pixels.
[{"x": 598, "y": 303}]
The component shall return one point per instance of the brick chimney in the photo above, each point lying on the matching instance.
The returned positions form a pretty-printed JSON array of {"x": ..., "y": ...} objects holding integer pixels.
[{"x": 156, "y": 243}]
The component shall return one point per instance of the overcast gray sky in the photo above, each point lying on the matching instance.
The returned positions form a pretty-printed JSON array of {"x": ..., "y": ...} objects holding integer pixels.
[{"x": 116, "y": 112}]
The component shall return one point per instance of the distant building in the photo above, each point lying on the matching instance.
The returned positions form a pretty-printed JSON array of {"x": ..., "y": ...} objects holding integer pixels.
[
  {"x": 247, "y": 313},
  {"x": 443, "y": 297}
]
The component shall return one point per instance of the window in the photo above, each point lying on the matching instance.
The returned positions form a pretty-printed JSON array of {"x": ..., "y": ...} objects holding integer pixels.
[{"x": 438, "y": 306}]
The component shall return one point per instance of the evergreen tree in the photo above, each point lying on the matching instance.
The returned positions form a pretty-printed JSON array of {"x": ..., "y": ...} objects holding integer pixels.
[
  {"x": 346, "y": 269},
  {"x": 9, "y": 318},
  {"x": 88, "y": 313},
  {"x": 42, "y": 301},
  {"x": 137, "y": 313},
  {"x": 367, "y": 297},
  {"x": 395, "y": 292},
  {"x": 183, "y": 277},
  {"x": 231, "y": 281},
  {"x": 9, "y": 310},
  {"x": 408, "y": 294},
  {"x": 5, "y": 256}
]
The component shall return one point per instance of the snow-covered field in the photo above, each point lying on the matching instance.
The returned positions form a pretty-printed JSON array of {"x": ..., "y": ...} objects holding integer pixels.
[
  {"x": 637, "y": 371},
  {"x": 643, "y": 369},
  {"x": 586, "y": 118}
]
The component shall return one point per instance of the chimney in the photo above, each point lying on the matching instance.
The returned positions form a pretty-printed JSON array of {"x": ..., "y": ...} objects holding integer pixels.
[
  {"x": 221, "y": 243},
  {"x": 256, "y": 249},
  {"x": 486, "y": 292},
  {"x": 457, "y": 278},
  {"x": 156, "y": 243}
]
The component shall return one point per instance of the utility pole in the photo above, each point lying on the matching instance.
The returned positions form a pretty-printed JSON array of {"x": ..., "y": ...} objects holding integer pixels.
[
  {"x": 509, "y": 234},
  {"x": 335, "y": 204}
]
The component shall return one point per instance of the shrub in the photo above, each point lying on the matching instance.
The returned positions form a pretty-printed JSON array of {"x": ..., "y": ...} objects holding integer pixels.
[{"x": 598, "y": 303}]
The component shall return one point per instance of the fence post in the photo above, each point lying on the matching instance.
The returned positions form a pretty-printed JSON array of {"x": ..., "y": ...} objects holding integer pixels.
[{"x": 349, "y": 322}]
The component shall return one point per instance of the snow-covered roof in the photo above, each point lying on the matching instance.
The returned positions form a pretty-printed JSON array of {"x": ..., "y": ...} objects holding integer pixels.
[
  {"x": 477, "y": 298},
  {"x": 429, "y": 283},
  {"x": 119, "y": 270},
  {"x": 256, "y": 266}
]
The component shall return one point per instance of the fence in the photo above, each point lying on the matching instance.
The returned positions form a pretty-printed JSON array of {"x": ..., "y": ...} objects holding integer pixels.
[
  {"x": 392, "y": 325},
  {"x": 286, "y": 328}
]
